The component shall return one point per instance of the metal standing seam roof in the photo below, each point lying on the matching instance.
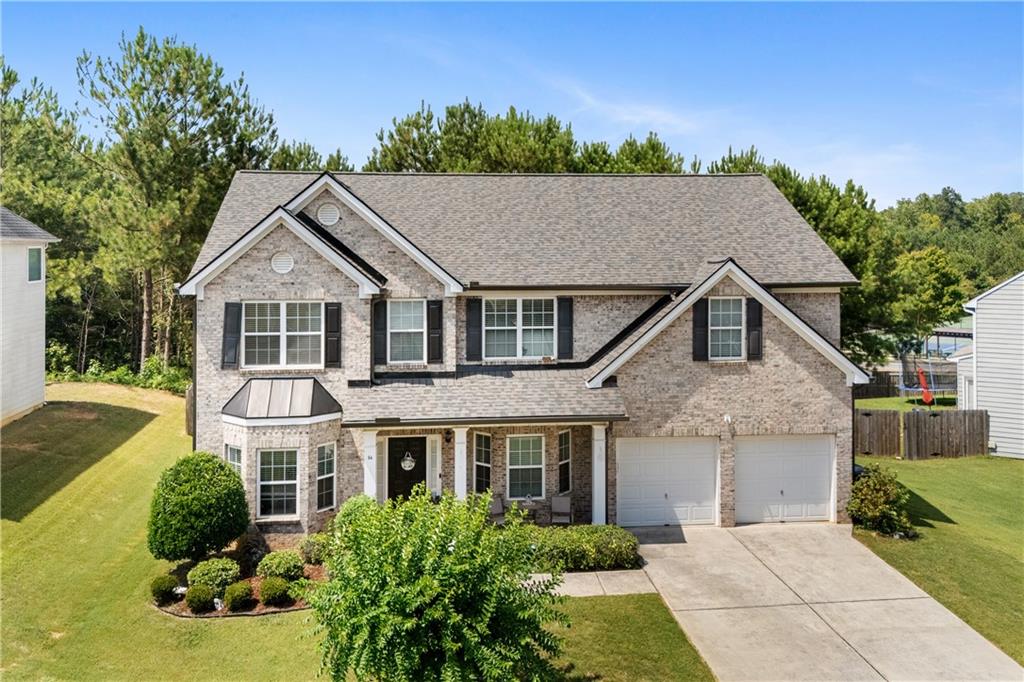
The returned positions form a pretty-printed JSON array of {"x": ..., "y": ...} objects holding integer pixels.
[
  {"x": 566, "y": 230},
  {"x": 13, "y": 226},
  {"x": 273, "y": 398}
]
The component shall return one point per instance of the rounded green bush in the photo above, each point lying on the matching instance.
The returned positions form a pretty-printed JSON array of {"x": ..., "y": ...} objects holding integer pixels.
[
  {"x": 162, "y": 589},
  {"x": 216, "y": 574},
  {"x": 274, "y": 592},
  {"x": 314, "y": 548},
  {"x": 238, "y": 596},
  {"x": 584, "y": 548},
  {"x": 285, "y": 564},
  {"x": 199, "y": 598},
  {"x": 198, "y": 507},
  {"x": 878, "y": 502}
]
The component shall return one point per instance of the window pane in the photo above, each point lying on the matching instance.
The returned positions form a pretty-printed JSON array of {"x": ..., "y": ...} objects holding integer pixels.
[
  {"x": 262, "y": 350},
  {"x": 538, "y": 342},
  {"x": 303, "y": 317},
  {"x": 405, "y": 315},
  {"x": 303, "y": 350},
  {"x": 277, "y": 500},
  {"x": 726, "y": 343},
  {"x": 233, "y": 456},
  {"x": 500, "y": 313},
  {"x": 325, "y": 492},
  {"x": 500, "y": 343},
  {"x": 482, "y": 448},
  {"x": 483, "y": 478},
  {"x": 539, "y": 312},
  {"x": 407, "y": 347},
  {"x": 262, "y": 318},
  {"x": 726, "y": 312},
  {"x": 35, "y": 265},
  {"x": 564, "y": 476},
  {"x": 564, "y": 446},
  {"x": 325, "y": 460},
  {"x": 523, "y": 482},
  {"x": 525, "y": 451}
]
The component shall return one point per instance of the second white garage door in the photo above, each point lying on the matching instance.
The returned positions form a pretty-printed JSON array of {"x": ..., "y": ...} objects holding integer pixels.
[
  {"x": 783, "y": 478},
  {"x": 666, "y": 481}
]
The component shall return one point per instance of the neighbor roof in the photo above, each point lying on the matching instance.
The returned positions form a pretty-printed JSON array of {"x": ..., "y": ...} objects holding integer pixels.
[
  {"x": 524, "y": 230},
  {"x": 13, "y": 226},
  {"x": 281, "y": 399}
]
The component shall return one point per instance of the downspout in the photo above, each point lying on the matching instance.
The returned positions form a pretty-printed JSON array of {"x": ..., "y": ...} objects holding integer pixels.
[{"x": 195, "y": 389}]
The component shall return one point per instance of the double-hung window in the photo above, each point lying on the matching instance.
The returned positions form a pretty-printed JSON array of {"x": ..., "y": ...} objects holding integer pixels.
[
  {"x": 233, "y": 456},
  {"x": 525, "y": 457},
  {"x": 482, "y": 461},
  {"x": 278, "y": 482},
  {"x": 407, "y": 331},
  {"x": 519, "y": 328},
  {"x": 725, "y": 328},
  {"x": 564, "y": 462},
  {"x": 283, "y": 334},
  {"x": 35, "y": 264},
  {"x": 325, "y": 477}
]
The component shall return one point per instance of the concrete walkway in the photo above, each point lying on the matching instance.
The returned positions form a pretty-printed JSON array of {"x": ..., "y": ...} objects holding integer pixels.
[
  {"x": 809, "y": 602},
  {"x": 600, "y": 583}
]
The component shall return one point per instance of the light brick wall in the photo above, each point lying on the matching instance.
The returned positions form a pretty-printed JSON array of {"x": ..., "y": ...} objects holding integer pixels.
[{"x": 820, "y": 310}]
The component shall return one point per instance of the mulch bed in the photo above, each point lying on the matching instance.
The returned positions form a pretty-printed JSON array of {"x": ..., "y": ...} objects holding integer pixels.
[{"x": 312, "y": 572}]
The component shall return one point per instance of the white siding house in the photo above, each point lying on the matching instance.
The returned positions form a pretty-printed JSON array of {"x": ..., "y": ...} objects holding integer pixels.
[
  {"x": 964, "y": 359},
  {"x": 997, "y": 365},
  {"x": 23, "y": 314}
]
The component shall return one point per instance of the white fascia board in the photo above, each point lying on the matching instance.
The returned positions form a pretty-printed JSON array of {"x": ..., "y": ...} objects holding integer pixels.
[
  {"x": 279, "y": 421},
  {"x": 854, "y": 374},
  {"x": 194, "y": 285},
  {"x": 452, "y": 286},
  {"x": 972, "y": 304}
]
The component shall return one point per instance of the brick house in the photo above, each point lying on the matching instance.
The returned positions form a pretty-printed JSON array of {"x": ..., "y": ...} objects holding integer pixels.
[{"x": 661, "y": 349}]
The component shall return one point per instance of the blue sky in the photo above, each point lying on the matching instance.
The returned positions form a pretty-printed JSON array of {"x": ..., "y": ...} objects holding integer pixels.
[{"x": 902, "y": 98}]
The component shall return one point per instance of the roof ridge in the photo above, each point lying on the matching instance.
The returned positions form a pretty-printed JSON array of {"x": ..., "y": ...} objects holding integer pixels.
[{"x": 257, "y": 171}]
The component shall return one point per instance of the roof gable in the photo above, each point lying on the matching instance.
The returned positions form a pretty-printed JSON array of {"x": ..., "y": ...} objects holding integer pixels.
[
  {"x": 15, "y": 228},
  {"x": 972, "y": 304}
]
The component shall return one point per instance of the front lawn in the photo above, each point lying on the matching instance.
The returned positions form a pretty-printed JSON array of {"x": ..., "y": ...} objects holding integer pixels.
[
  {"x": 77, "y": 479},
  {"x": 970, "y": 556},
  {"x": 905, "y": 404}
]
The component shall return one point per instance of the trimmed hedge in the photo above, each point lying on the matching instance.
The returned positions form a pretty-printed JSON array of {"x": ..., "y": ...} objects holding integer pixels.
[
  {"x": 286, "y": 564},
  {"x": 216, "y": 574},
  {"x": 238, "y": 596},
  {"x": 199, "y": 599},
  {"x": 314, "y": 548},
  {"x": 274, "y": 592},
  {"x": 878, "y": 502},
  {"x": 162, "y": 589},
  {"x": 584, "y": 548}
]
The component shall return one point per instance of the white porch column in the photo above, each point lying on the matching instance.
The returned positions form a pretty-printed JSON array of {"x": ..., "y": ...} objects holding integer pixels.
[
  {"x": 370, "y": 464},
  {"x": 599, "y": 476},
  {"x": 460, "y": 462}
]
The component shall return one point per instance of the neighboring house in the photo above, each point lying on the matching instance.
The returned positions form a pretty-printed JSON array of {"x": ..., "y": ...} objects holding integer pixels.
[
  {"x": 23, "y": 330},
  {"x": 663, "y": 349},
  {"x": 995, "y": 368},
  {"x": 964, "y": 359}
]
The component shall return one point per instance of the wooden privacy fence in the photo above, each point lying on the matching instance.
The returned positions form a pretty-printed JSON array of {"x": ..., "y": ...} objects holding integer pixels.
[
  {"x": 945, "y": 433},
  {"x": 876, "y": 432}
]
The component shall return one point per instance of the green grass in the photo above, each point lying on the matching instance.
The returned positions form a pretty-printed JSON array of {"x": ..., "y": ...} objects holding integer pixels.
[
  {"x": 905, "y": 404},
  {"x": 970, "y": 556},
  {"x": 77, "y": 478}
]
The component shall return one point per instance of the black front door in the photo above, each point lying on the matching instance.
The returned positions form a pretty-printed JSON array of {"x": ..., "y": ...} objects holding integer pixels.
[{"x": 401, "y": 479}]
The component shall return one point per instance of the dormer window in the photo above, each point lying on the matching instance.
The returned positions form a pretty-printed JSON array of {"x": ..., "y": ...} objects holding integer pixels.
[{"x": 725, "y": 328}]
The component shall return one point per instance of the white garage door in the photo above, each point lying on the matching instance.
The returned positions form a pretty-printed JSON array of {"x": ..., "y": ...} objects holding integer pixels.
[
  {"x": 783, "y": 478},
  {"x": 666, "y": 481}
]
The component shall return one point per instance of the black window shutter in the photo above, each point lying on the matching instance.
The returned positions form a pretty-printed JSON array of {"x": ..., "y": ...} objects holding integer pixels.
[
  {"x": 700, "y": 330},
  {"x": 474, "y": 329},
  {"x": 435, "y": 331},
  {"x": 564, "y": 328},
  {"x": 380, "y": 332},
  {"x": 754, "y": 337},
  {"x": 332, "y": 335},
  {"x": 232, "y": 335}
]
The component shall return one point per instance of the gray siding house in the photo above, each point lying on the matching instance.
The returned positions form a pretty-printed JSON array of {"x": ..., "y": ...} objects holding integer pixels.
[
  {"x": 992, "y": 377},
  {"x": 659, "y": 349}
]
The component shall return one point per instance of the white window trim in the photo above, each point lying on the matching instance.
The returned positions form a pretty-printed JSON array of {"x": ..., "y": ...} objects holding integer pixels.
[
  {"x": 478, "y": 463},
  {"x": 423, "y": 361},
  {"x": 568, "y": 461},
  {"x": 543, "y": 465},
  {"x": 519, "y": 328},
  {"x": 743, "y": 329},
  {"x": 333, "y": 475},
  {"x": 283, "y": 335},
  {"x": 298, "y": 488},
  {"x": 28, "y": 266},
  {"x": 241, "y": 459}
]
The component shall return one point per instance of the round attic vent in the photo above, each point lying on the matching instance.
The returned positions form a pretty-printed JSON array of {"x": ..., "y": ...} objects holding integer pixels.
[
  {"x": 328, "y": 214},
  {"x": 282, "y": 262}
]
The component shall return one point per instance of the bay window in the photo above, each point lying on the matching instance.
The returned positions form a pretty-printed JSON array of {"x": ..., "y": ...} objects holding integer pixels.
[
  {"x": 725, "y": 328},
  {"x": 233, "y": 456},
  {"x": 278, "y": 483},
  {"x": 407, "y": 331},
  {"x": 325, "y": 477},
  {"x": 482, "y": 461},
  {"x": 282, "y": 334},
  {"x": 519, "y": 328},
  {"x": 525, "y": 466}
]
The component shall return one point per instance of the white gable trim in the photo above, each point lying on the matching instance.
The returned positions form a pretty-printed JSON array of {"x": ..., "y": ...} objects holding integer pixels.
[
  {"x": 194, "y": 285},
  {"x": 452, "y": 286},
  {"x": 854, "y": 374},
  {"x": 972, "y": 304}
]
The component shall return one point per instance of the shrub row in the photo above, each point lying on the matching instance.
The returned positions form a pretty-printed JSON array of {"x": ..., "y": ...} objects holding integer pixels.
[
  {"x": 286, "y": 564},
  {"x": 152, "y": 375},
  {"x": 584, "y": 548}
]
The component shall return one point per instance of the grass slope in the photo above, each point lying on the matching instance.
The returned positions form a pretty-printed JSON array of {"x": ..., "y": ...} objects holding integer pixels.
[
  {"x": 77, "y": 479},
  {"x": 970, "y": 556},
  {"x": 905, "y": 404}
]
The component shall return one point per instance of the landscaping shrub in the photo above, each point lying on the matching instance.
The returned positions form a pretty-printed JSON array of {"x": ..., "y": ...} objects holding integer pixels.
[
  {"x": 162, "y": 589},
  {"x": 425, "y": 590},
  {"x": 274, "y": 592},
  {"x": 199, "y": 598},
  {"x": 314, "y": 547},
  {"x": 154, "y": 374},
  {"x": 285, "y": 564},
  {"x": 238, "y": 596},
  {"x": 878, "y": 502},
  {"x": 584, "y": 548},
  {"x": 198, "y": 507},
  {"x": 216, "y": 574}
]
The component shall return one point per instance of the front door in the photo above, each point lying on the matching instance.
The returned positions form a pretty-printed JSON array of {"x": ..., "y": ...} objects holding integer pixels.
[{"x": 407, "y": 465}]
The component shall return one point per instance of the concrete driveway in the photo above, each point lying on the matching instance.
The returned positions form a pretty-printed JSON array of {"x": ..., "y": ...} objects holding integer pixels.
[{"x": 809, "y": 602}]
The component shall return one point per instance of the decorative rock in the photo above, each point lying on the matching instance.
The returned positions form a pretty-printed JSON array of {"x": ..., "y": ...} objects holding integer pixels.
[
  {"x": 218, "y": 604},
  {"x": 180, "y": 591}
]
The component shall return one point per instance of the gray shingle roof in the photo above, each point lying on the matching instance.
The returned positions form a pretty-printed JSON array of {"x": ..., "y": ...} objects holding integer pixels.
[
  {"x": 483, "y": 396},
  {"x": 13, "y": 226},
  {"x": 567, "y": 230},
  {"x": 279, "y": 398}
]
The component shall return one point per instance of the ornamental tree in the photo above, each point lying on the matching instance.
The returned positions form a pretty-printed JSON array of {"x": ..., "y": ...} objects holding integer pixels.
[
  {"x": 198, "y": 507},
  {"x": 420, "y": 590}
]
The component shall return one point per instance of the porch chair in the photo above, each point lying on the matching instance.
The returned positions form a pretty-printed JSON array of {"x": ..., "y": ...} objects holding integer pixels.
[
  {"x": 497, "y": 510},
  {"x": 561, "y": 509}
]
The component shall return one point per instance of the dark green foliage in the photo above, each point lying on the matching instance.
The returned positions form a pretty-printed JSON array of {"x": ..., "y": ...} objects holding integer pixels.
[
  {"x": 427, "y": 591},
  {"x": 878, "y": 502},
  {"x": 216, "y": 574},
  {"x": 274, "y": 592},
  {"x": 162, "y": 589},
  {"x": 153, "y": 375},
  {"x": 313, "y": 548},
  {"x": 251, "y": 547},
  {"x": 238, "y": 596},
  {"x": 285, "y": 564},
  {"x": 198, "y": 507},
  {"x": 199, "y": 599},
  {"x": 584, "y": 548}
]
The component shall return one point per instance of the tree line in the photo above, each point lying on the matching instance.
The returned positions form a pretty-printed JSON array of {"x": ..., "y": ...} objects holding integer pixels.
[{"x": 131, "y": 177}]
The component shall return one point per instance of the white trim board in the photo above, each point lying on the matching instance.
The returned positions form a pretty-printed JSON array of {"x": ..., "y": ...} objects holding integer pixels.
[
  {"x": 452, "y": 286},
  {"x": 194, "y": 285},
  {"x": 854, "y": 374},
  {"x": 278, "y": 421},
  {"x": 972, "y": 304}
]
